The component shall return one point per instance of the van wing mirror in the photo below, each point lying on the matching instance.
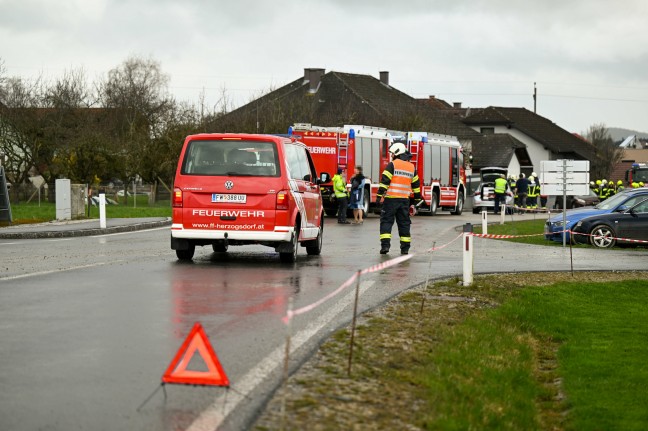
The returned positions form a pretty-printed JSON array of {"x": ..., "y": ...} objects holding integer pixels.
[{"x": 325, "y": 177}]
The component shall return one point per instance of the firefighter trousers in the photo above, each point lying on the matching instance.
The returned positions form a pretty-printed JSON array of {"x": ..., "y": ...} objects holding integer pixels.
[{"x": 395, "y": 208}]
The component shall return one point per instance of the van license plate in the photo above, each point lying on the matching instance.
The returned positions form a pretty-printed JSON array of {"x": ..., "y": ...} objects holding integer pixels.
[{"x": 230, "y": 199}]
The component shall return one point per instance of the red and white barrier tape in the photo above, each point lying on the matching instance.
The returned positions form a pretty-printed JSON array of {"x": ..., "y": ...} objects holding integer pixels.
[
  {"x": 488, "y": 235},
  {"x": 374, "y": 268}
]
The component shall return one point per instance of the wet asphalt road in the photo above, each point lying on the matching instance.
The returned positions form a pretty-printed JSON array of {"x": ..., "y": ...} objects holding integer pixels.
[{"x": 88, "y": 325}]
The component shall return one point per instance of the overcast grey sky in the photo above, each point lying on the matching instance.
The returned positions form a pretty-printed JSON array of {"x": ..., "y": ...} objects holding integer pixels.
[{"x": 588, "y": 57}]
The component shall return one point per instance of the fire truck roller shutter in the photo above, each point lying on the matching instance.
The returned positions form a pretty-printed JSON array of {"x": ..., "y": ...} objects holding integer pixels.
[
  {"x": 375, "y": 159},
  {"x": 436, "y": 161},
  {"x": 455, "y": 166},
  {"x": 427, "y": 165},
  {"x": 445, "y": 166}
]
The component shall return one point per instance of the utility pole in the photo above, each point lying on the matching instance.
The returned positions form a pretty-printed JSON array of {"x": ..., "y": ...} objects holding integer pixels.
[{"x": 535, "y": 97}]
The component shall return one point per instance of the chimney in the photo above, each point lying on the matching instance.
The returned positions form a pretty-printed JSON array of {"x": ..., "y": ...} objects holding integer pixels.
[
  {"x": 384, "y": 77},
  {"x": 456, "y": 105},
  {"x": 313, "y": 76}
]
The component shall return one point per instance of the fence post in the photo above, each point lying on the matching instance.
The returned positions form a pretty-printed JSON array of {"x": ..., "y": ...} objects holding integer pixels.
[{"x": 467, "y": 254}]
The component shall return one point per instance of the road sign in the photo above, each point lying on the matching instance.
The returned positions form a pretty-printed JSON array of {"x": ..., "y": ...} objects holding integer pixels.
[
  {"x": 563, "y": 177},
  {"x": 558, "y": 177}
]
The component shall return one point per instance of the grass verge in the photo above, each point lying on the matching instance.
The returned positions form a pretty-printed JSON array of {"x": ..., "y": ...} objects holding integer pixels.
[
  {"x": 532, "y": 351},
  {"x": 32, "y": 212}
]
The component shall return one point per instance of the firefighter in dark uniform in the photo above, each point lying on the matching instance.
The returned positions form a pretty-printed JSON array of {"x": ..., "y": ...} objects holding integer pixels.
[{"x": 399, "y": 180}]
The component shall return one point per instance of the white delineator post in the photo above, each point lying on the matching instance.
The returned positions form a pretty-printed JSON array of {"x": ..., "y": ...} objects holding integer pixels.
[
  {"x": 502, "y": 213},
  {"x": 484, "y": 221},
  {"x": 102, "y": 210},
  {"x": 467, "y": 255}
]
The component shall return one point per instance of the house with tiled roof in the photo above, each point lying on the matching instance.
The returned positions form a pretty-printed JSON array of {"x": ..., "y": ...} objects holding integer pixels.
[
  {"x": 499, "y": 149},
  {"x": 544, "y": 139},
  {"x": 337, "y": 98}
]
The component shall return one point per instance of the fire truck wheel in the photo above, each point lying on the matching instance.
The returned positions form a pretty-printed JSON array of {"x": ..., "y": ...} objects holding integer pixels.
[
  {"x": 366, "y": 202},
  {"x": 459, "y": 208},
  {"x": 434, "y": 204}
]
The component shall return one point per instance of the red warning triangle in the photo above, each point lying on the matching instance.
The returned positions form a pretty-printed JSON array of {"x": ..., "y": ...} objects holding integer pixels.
[{"x": 196, "y": 341}]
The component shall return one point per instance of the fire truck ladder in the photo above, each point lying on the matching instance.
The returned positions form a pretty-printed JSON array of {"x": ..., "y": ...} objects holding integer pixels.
[
  {"x": 414, "y": 151},
  {"x": 343, "y": 147}
]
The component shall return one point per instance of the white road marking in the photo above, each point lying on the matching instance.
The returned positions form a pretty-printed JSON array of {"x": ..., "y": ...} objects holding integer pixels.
[
  {"x": 214, "y": 415},
  {"x": 129, "y": 232},
  {"x": 54, "y": 271}
]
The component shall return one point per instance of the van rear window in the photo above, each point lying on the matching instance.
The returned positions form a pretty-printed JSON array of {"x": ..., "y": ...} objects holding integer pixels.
[{"x": 233, "y": 158}]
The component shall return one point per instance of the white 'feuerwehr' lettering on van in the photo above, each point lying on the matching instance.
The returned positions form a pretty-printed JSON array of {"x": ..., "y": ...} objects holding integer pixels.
[
  {"x": 322, "y": 150},
  {"x": 225, "y": 213}
]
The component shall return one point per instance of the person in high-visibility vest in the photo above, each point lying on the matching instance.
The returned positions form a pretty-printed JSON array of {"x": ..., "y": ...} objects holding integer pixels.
[
  {"x": 341, "y": 194},
  {"x": 500, "y": 192},
  {"x": 399, "y": 180}
]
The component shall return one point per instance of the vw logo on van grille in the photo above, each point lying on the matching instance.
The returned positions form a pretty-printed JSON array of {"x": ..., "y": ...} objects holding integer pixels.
[{"x": 229, "y": 185}]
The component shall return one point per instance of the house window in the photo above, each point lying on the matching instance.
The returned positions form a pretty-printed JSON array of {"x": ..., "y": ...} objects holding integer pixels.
[{"x": 487, "y": 130}]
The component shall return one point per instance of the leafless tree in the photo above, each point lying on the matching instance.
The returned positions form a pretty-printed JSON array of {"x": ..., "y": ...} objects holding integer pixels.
[{"x": 608, "y": 153}]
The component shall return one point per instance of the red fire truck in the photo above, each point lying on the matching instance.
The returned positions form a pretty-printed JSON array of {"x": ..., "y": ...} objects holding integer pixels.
[
  {"x": 637, "y": 173},
  {"x": 440, "y": 166},
  {"x": 438, "y": 160}
]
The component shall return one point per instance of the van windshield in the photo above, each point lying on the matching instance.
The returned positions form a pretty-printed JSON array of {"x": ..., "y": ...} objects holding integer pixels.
[{"x": 231, "y": 158}]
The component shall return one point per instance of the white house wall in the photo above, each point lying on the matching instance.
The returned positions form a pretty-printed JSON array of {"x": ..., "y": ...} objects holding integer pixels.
[
  {"x": 514, "y": 166},
  {"x": 537, "y": 152}
]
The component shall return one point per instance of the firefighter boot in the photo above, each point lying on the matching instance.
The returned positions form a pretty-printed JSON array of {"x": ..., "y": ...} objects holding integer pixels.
[
  {"x": 404, "y": 246},
  {"x": 384, "y": 247}
]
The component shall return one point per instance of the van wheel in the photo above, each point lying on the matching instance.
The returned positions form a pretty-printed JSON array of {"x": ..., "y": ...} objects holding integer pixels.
[
  {"x": 460, "y": 202},
  {"x": 314, "y": 247},
  {"x": 186, "y": 254},
  {"x": 291, "y": 257}
]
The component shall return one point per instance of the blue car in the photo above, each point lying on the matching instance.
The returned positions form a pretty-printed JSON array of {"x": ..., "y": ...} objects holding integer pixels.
[{"x": 619, "y": 202}]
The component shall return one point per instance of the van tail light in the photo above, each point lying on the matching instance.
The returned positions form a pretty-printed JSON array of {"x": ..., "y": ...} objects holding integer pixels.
[
  {"x": 282, "y": 200},
  {"x": 177, "y": 198}
]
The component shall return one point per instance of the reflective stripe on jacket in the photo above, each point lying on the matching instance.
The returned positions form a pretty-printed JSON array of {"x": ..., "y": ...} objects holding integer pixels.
[{"x": 399, "y": 180}]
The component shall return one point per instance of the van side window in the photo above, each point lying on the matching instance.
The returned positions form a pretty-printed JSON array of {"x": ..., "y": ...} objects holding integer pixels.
[{"x": 295, "y": 158}]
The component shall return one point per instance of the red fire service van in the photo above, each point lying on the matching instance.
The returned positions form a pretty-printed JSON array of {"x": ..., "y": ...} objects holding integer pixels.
[
  {"x": 237, "y": 189},
  {"x": 438, "y": 160}
]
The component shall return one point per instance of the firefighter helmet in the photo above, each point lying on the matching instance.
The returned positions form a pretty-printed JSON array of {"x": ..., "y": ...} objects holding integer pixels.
[
  {"x": 534, "y": 175},
  {"x": 619, "y": 183},
  {"x": 398, "y": 149}
]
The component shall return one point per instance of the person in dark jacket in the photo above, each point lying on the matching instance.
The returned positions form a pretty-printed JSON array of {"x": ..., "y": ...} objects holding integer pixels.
[{"x": 522, "y": 186}]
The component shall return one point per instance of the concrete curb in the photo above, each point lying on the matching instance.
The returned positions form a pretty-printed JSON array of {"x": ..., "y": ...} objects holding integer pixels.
[{"x": 85, "y": 232}]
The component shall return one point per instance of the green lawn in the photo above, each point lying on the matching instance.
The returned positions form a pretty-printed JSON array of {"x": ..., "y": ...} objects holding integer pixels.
[
  {"x": 486, "y": 374},
  {"x": 46, "y": 211}
]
